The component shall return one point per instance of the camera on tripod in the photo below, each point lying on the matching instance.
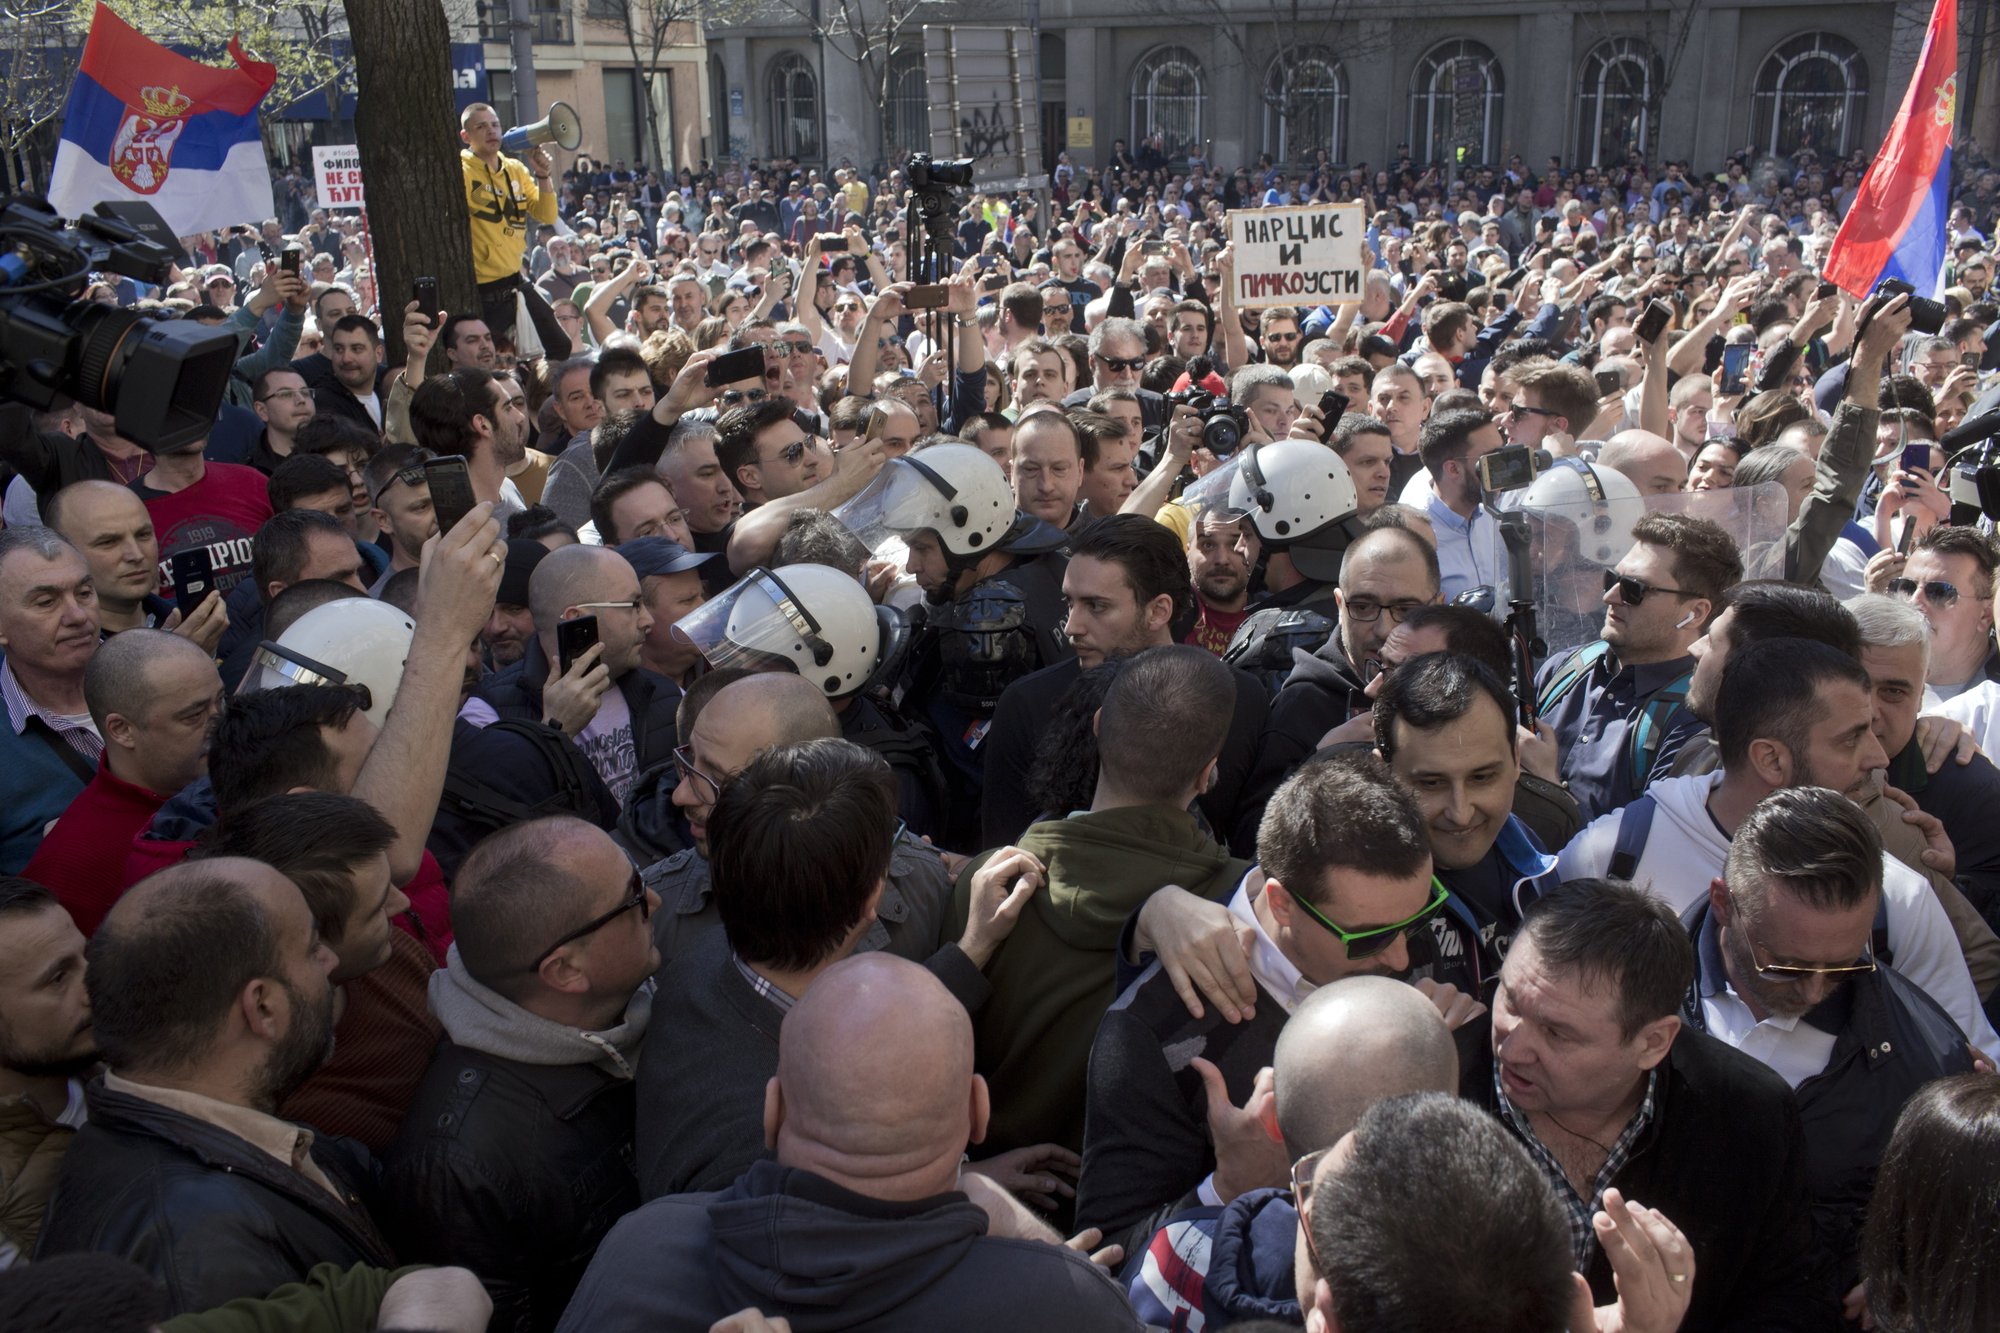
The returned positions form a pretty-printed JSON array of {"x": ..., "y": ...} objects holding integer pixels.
[
  {"x": 927, "y": 175},
  {"x": 1222, "y": 423},
  {"x": 162, "y": 381}
]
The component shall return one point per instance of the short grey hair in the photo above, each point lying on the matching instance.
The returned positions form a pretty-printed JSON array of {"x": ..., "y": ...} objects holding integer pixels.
[
  {"x": 1115, "y": 327},
  {"x": 44, "y": 542},
  {"x": 1890, "y": 622}
]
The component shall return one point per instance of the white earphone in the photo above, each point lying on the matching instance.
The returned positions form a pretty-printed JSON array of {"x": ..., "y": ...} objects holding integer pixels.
[{"x": 1684, "y": 621}]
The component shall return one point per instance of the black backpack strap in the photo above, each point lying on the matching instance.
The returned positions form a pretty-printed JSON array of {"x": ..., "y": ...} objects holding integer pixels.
[
  {"x": 1635, "y": 824},
  {"x": 1878, "y": 937}
]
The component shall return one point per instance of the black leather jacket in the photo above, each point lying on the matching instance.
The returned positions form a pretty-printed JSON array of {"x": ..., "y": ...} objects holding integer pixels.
[
  {"x": 208, "y": 1215},
  {"x": 514, "y": 1171}
]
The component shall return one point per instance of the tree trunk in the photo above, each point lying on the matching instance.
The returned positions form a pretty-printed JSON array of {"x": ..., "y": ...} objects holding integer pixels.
[{"x": 407, "y": 126}]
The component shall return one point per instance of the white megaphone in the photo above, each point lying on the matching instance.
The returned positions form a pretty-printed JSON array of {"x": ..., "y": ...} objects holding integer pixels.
[{"x": 560, "y": 127}]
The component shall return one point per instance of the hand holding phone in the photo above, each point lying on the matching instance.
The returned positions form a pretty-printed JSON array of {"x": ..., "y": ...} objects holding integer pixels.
[
  {"x": 425, "y": 292},
  {"x": 451, "y": 490},
  {"x": 746, "y": 363},
  {"x": 193, "y": 573},
  {"x": 573, "y": 639}
]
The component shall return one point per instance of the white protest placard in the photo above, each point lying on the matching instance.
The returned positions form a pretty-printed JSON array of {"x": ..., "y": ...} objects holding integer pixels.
[
  {"x": 1297, "y": 256},
  {"x": 337, "y": 176}
]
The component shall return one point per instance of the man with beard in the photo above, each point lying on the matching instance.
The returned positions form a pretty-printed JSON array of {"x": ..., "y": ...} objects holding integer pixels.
[
  {"x": 481, "y": 417},
  {"x": 1789, "y": 713},
  {"x": 45, "y": 1044},
  {"x": 1221, "y": 554},
  {"x": 352, "y": 388},
  {"x": 212, "y": 996},
  {"x": 401, "y": 501},
  {"x": 1786, "y": 971}
]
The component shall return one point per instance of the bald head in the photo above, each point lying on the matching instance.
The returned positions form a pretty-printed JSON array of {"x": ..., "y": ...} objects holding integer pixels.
[
  {"x": 770, "y": 709},
  {"x": 82, "y": 507},
  {"x": 123, "y": 673},
  {"x": 1650, "y": 461},
  {"x": 516, "y": 892},
  {"x": 1351, "y": 1044},
  {"x": 572, "y": 575},
  {"x": 1389, "y": 545},
  {"x": 875, "y": 1087}
]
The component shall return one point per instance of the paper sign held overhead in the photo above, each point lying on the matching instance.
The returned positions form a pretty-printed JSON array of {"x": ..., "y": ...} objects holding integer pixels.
[
  {"x": 337, "y": 176},
  {"x": 1297, "y": 256}
]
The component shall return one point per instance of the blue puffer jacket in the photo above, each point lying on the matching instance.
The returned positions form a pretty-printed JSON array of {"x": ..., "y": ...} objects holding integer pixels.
[{"x": 1233, "y": 1264}]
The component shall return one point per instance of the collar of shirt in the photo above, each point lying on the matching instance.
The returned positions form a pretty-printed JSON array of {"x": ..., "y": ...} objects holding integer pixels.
[
  {"x": 82, "y": 737},
  {"x": 1578, "y": 1210},
  {"x": 779, "y": 1000},
  {"x": 1640, "y": 681},
  {"x": 1443, "y": 515},
  {"x": 1273, "y": 971},
  {"x": 284, "y": 1141}
]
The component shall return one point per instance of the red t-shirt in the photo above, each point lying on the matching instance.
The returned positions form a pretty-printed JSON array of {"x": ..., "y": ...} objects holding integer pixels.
[
  {"x": 222, "y": 511},
  {"x": 82, "y": 858},
  {"x": 1213, "y": 629}
]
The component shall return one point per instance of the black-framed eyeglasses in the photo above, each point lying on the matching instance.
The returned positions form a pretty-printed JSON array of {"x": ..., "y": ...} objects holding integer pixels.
[
  {"x": 1633, "y": 592},
  {"x": 1368, "y": 612},
  {"x": 1522, "y": 409},
  {"x": 638, "y": 897},
  {"x": 1123, "y": 362},
  {"x": 702, "y": 782},
  {"x": 738, "y": 397},
  {"x": 1937, "y": 592}
]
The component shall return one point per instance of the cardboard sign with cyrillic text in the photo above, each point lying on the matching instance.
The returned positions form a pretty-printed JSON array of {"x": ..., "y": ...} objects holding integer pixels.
[{"x": 1297, "y": 256}]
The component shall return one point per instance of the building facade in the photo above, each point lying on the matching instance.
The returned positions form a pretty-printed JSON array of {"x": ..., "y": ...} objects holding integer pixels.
[
  {"x": 1586, "y": 80},
  {"x": 583, "y": 57}
]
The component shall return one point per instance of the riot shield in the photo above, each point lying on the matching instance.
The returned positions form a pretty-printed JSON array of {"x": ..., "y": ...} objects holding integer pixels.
[{"x": 1567, "y": 582}]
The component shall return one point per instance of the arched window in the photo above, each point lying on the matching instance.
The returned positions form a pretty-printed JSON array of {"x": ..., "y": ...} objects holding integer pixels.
[
  {"x": 1812, "y": 92},
  {"x": 794, "y": 98},
  {"x": 1455, "y": 100},
  {"x": 1166, "y": 100},
  {"x": 909, "y": 108},
  {"x": 1614, "y": 100},
  {"x": 1305, "y": 106}
]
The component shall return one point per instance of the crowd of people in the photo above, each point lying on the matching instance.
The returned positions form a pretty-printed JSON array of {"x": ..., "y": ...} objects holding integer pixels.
[{"x": 846, "y": 756}]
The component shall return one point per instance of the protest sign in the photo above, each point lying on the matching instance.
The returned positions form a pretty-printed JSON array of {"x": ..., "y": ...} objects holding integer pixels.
[
  {"x": 337, "y": 176},
  {"x": 1297, "y": 256}
]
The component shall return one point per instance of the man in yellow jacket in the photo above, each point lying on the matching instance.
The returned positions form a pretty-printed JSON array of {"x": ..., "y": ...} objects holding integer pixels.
[{"x": 503, "y": 194}]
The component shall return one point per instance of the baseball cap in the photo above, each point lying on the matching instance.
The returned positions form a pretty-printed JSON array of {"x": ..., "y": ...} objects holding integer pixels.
[{"x": 655, "y": 555}]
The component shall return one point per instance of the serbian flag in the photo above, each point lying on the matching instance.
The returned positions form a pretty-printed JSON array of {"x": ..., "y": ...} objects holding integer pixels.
[
  {"x": 146, "y": 123},
  {"x": 1896, "y": 226}
]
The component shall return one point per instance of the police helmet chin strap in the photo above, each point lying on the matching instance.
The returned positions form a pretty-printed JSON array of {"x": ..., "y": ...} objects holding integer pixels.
[
  {"x": 1260, "y": 490},
  {"x": 960, "y": 515}
]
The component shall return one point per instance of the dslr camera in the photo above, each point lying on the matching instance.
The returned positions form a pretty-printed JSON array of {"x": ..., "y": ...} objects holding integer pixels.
[
  {"x": 1926, "y": 315},
  {"x": 1222, "y": 423}
]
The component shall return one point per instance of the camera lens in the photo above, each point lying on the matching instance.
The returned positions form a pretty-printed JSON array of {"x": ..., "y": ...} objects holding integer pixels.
[{"x": 1220, "y": 434}]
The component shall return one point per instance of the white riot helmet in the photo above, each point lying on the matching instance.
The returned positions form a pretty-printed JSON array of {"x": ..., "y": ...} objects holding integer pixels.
[
  {"x": 1601, "y": 503},
  {"x": 955, "y": 490},
  {"x": 1291, "y": 489},
  {"x": 815, "y": 617},
  {"x": 355, "y": 641}
]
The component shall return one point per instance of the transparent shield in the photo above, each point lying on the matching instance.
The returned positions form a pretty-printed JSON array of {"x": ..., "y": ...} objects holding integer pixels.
[
  {"x": 1210, "y": 494},
  {"x": 754, "y": 623},
  {"x": 897, "y": 502},
  {"x": 1568, "y": 587}
]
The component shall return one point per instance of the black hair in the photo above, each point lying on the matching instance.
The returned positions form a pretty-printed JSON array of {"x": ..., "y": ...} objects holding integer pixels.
[
  {"x": 1607, "y": 931},
  {"x": 1429, "y": 692},
  {"x": 270, "y": 741},
  {"x": 1148, "y": 552},
  {"x": 315, "y": 839},
  {"x": 1770, "y": 691},
  {"x": 300, "y": 476},
  {"x": 282, "y": 547}
]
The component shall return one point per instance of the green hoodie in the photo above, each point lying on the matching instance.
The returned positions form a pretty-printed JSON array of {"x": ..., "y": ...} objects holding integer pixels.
[{"x": 1056, "y": 974}]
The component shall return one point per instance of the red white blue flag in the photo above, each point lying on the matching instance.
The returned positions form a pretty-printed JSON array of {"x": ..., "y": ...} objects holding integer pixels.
[
  {"x": 148, "y": 123},
  {"x": 1896, "y": 226}
]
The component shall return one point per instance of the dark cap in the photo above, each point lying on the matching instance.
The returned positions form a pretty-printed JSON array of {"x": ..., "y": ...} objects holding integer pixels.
[
  {"x": 658, "y": 555},
  {"x": 523, "y": 554}
]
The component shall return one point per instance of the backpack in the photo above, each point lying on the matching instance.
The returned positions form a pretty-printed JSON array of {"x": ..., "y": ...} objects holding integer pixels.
[
  {"x": 574, "y": 791},
  {"x": 1642, "y": 742},
  {"x": 909, "y": 753},
  {"x": 1635, "y": 824}
]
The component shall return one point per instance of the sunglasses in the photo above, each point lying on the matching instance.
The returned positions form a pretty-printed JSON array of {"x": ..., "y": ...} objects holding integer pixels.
[
  {"x": 1373, "y": 940},
  {"x": 636, "y": 898},
  {"x": 737, "y": 397},
  {"x": 792, "y": 453},
  {"x": 1522, "y": 409},
  {"x": 1123, "y": 362},
  {"x": 1936, "y": 591},
  {"x": 1634, "y": 593}
]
